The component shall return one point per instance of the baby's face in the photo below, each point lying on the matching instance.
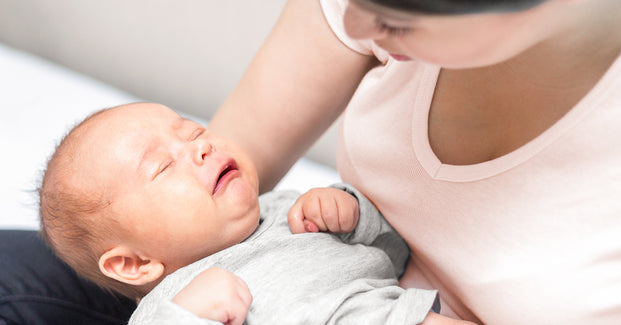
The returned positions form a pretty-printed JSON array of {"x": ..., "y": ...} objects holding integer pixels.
[{"x": 178, "y": 192}]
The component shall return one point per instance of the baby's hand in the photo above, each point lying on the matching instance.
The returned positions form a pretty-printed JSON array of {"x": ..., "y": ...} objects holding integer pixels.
[
  {"x": 324, "y": 209},
  {"x": 218, "y": 295}
]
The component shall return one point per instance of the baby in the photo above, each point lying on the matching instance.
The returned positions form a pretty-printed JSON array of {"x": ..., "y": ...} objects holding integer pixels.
[{"x": 153, "y": 206}]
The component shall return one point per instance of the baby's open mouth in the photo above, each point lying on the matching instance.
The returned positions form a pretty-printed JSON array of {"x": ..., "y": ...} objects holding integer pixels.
[{"x": 228, "y": 172}]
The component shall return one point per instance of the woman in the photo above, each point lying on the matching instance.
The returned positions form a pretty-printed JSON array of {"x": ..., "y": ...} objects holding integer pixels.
[{"x": 483, "y": 130}]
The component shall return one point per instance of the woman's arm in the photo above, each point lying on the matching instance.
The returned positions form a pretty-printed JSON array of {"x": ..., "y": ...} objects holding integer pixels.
[{"x": 296, "y": 86}]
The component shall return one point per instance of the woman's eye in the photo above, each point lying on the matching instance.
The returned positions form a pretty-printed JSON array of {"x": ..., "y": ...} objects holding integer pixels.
[{"x": 384, "y": 27}]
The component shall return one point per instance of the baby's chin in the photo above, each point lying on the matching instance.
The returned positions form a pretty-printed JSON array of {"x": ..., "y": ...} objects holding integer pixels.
[
  {"x": 243, "y": 191},
  {"x": 257, "y": 220},
  {"x": 250, "y": 224},
  {"x": 242, "y": 200}
]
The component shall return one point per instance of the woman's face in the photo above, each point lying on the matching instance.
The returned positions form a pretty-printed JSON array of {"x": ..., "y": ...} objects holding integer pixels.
[{"x": 452, "y": 41}]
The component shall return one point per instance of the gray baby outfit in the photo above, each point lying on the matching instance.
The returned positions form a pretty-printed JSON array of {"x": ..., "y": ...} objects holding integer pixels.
[{"x": 311, "y": 278}]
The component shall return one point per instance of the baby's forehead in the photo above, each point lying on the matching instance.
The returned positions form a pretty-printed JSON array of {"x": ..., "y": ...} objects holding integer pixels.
[
  {"x": 106, "y": 140},
  {"x": 134, "y": 127},
  {"x": 112, "y": 137},
  {"x": 145, "y": 114}
]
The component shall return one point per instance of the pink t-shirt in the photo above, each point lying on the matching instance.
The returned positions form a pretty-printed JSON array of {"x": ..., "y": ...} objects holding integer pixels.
[{"x": 532, "y": 237}]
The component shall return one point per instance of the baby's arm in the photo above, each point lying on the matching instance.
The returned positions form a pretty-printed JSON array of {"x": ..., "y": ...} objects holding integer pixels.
[
  {"x": 361, "y": 224},
  {"x": 324, "y": 209},
  {"x": 218, "y": 295}
]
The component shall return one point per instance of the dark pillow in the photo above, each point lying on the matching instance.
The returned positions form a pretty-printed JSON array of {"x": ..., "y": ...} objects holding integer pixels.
[{"x": 37, "y": 288}]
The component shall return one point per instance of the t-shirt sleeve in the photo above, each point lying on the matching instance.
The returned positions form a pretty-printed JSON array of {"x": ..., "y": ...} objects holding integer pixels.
[
  {"x": 374, "y": 230},
  {"x": 334, "y": 11}
]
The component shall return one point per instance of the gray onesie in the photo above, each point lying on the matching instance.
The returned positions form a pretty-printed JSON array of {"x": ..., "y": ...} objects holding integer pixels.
[{"x": 312, "y": 278}]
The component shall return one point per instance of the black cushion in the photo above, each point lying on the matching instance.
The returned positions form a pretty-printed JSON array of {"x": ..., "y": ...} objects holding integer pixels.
[{"x": 37, "y": 288}]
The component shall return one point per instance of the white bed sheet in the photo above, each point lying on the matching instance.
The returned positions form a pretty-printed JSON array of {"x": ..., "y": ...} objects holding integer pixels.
[{"x": 40, "y": 101}]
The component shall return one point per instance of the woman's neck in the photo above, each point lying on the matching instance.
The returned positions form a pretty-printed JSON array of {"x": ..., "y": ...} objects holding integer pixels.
[
  {"x": 483, "y": 113},
  {"x": 577, "y": 56}
]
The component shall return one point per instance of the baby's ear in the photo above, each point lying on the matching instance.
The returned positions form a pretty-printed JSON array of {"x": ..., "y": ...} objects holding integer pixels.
[{"x": 122, "y": 264}]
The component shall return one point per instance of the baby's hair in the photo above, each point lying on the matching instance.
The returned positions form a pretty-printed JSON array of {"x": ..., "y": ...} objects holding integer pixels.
[
  {"x": 453, "y": 7},
  {"x": 74, "y": 219}
]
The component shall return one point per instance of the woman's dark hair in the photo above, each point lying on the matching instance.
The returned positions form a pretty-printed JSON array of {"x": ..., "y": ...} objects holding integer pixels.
[{"x": 452, "y": 7}]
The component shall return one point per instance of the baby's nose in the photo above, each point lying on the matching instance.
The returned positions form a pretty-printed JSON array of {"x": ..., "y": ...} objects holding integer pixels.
[{"x": 202, "y": 149}]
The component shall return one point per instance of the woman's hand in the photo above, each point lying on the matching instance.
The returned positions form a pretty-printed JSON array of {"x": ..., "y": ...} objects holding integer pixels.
[
  {"x": 324, "y": 209},
  {"x": 218, "y": 295}
]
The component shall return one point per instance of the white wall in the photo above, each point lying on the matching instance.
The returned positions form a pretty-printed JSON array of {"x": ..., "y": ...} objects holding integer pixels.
[{"x": 187, "y": 54}]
